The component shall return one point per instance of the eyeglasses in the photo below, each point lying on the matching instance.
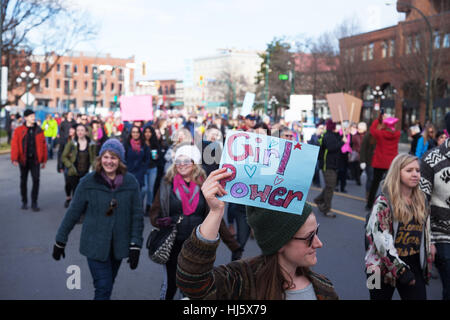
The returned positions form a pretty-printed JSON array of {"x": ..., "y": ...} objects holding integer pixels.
[
  {"x": 309, "y": 238},
  {"x": 183, "y": 162},
  {"x": 112, "y": 206}
]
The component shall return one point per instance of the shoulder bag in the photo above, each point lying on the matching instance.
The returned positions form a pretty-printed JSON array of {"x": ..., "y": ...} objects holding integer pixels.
[{"x": 160, "y": 242}]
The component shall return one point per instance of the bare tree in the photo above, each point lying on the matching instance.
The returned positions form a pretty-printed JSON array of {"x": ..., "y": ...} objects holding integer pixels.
[{"x": 44, "y": 28}]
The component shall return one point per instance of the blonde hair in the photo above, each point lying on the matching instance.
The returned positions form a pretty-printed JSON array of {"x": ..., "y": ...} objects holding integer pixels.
[
  {"x": 426, "y": 135},
  {"x": 392, "y": 186},
  {"x": 187, "y": 136},
  {"x": 198, "y": 174}
]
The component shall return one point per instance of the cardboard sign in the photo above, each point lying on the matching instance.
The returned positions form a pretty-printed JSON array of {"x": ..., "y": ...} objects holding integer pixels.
[
  {"x": 247, "y": 106},
  {"x": 268, "y": 172},
  {"x": 136, "y": 108},
  {"x": 344, "y": 107}
]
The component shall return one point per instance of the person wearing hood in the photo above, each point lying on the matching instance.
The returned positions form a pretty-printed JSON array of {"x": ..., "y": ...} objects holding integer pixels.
[
  {"x": 386, "y": 149},
  {"x": 29, "y": 152}
]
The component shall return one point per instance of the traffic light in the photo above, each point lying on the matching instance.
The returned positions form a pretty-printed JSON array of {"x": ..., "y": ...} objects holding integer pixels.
[
  {"x": 201, "y": 81},
  {"x": 283, "y": 77}
]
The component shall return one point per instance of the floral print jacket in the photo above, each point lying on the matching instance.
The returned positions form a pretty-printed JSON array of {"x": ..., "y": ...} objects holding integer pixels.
[{"x": 381, "y": 253}]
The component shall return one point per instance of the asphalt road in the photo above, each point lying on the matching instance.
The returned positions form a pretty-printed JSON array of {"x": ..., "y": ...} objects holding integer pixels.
[{"x": 27, "y": 270}]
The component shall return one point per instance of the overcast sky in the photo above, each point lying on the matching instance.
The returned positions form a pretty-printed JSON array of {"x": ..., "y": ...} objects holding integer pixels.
[{"x": 167, "y": 32}]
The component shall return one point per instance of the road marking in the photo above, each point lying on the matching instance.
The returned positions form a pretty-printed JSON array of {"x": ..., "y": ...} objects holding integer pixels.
[
  {"x": 342, "y": 194},
  {"x": 354, "y": 216}
]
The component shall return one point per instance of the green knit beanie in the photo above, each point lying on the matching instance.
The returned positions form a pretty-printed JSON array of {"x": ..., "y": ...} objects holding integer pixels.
[{"x": 273, "y": 229}]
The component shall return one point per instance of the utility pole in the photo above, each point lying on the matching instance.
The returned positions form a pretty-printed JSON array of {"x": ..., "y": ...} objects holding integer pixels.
[{"x": 266, "y": 82}]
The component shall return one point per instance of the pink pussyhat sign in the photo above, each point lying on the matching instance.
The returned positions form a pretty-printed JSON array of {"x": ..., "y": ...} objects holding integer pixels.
[{"x": 136, "y": 108}]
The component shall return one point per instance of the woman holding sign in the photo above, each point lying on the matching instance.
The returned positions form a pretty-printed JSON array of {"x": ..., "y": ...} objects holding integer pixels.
[
  {"x": 288, "y": 243},
  {"x": 180, "y": 196}
]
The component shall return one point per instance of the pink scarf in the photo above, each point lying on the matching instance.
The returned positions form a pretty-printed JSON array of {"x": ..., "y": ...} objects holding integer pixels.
[
  {"x": 135, "y": 145},
  {"x": 189, "y": 195}
]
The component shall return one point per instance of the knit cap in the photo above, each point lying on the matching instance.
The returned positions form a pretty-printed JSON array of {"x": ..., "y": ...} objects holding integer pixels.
[
  {"x": 189, "y": 151},
  {"x": 273, "y": 229},
  {"x": 115, "y": 146},
  {"x": 28, "y": 112}
]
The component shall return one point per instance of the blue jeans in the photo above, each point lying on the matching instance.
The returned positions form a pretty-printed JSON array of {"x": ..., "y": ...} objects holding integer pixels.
[
  {"x": 104, "y": 274},
  {"x": 369, "y": 174},
  {"x": 50, "y": 145},
  {"x": 442, "y": 263},
  {"x": 150, "y": 178}
]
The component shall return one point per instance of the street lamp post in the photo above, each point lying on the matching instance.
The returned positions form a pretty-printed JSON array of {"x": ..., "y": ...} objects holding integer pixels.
[
  {"x": 29, "y": 77},
  {"x": 430, "y": 54},
  {"x": 377, "y": 95}
]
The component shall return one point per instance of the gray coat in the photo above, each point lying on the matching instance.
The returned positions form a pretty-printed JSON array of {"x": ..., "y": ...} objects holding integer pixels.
[{"x": 101, "y": 233}]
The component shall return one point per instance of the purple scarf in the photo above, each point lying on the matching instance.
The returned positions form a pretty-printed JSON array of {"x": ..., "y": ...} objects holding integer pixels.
[{"x": 114, "y": 184}]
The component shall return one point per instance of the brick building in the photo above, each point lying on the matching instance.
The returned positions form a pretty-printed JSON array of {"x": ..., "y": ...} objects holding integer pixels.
[
  {"x": 79, "y": 80},
  {"x": 391, "y": 64}
]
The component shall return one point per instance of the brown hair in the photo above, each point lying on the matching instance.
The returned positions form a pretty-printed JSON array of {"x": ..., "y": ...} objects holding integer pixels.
[
  {"x": 122, "y": 169},
  {"x": 271, "y": 283}
]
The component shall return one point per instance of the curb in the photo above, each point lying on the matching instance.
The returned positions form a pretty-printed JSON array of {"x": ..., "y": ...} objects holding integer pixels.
[{"x": 5, "y": 151}]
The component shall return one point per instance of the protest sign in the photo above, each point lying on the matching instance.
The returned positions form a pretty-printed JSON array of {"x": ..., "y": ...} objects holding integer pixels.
[
  {"x": 268, "y": 172},
  {"x": 344, "y": 107},
  {"x": 136, "y": 108},
  {"x": 247, "y": 106}
]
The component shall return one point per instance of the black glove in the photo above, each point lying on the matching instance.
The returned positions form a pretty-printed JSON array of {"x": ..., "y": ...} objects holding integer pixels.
[
  {"x": 58, "y": 251},
  {"x": 406, "y": 276},
  {"x": 237, "y": 254},
  {"x": 133, "y": 256}
]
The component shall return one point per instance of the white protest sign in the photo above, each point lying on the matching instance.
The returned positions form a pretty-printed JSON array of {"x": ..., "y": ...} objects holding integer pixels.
[{"x": 247, "y": 106}]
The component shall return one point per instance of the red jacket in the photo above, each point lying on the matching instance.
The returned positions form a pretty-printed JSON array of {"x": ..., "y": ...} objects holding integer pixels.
[
  {"x": 19, "y": 145},
  {"x": 387, "y": 146}
]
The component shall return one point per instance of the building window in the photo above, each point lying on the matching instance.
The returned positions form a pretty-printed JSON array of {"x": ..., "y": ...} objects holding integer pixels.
[
  {"x": 67, "y": 70},
  {"x": 58, "y": 84},
  {"x": 446, "y": 42},
  {"x": 102, "y": 86},
  {"x": 75, "y": 68},
  {"x": 86, "y": 85},
  {"x": 94, "y": 70},
  {"x": 86, "y": 69},
  {"x": 112, "y": 86},
  {"x": 172, "y": 89},
  {"x": 364, "y": 53},
  {"x": 75, "y": 85},
  {"x": 58, "y": 67},
  {"x": 47, "y": 83},
  {"x": 409, "y": 45},
  {"x": 370, "y": 51},
  {"x": 120, "y": 88},
  {"x": 417, "y": 43},
  {"x": 384, "y": 49},
  {"x": 391, "y": 48},
  {"x": 66, "y": 86}
]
